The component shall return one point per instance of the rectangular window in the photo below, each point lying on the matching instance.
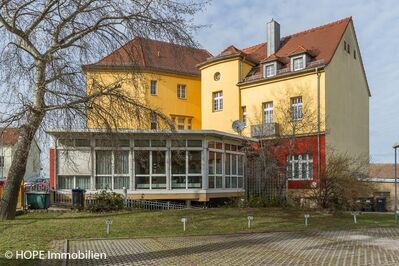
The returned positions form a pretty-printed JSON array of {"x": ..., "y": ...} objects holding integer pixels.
[
  {"x": 189, "y": 123},
  {"x": 300, "y": 166},
  {"x": 158, "y": 182},
  {"x": 142, "y": 182},
  {"x": 121, "y": 182},
  {"x": 268, "y": 113},
  {"x": 194, "y": 143},
  {"x": 195, "y": 182},
  {"x": 180, "y": 123},
  {"x": 121, "y": 162},
  {"x": 211, "y": 162},
  {"x": 217, "y": 101},
  {"x": 298, "y": 63},
  {"x": 103, "y": 182},
  {"x": 354, "y": 54},
  {"x": 158, "y": 162},
  {"x": 179, "y": 182},
  {"x": 181, "y": 91},
  {"x": 1, "y": 161},
  {"x": 244, "y": 114},
  {"x": 154, "y": 122},
  {"x": 153, "y": 87},
  {"x": 82, "y": 142},
  {"x": 178, "y": 162},
  {"x": 270, "y": 70},
  {"x": 65, "y": 182},
  {"x": 194, "y": 162},
  {"x": 142, "y": 162},
  {"x": 349, "y": 49},
  {"x": 219, "y": 163},
  {"x": 103, "y": 162},
  {"x": 83, "y": 182},
  {"x": 296, "y": 108}
]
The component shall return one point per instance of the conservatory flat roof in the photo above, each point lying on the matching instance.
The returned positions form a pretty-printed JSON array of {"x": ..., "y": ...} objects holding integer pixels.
[{"x": 56, "y": 132}]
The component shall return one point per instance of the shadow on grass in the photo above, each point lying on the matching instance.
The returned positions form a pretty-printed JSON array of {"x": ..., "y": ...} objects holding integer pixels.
[{"x": 62, "y": 215}]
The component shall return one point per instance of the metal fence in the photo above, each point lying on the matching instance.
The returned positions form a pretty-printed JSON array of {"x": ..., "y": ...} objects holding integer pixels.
[{"x": 64, "y": 199}]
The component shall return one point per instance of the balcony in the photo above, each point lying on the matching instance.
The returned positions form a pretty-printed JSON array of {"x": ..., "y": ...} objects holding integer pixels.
[{"x": 264, "y": 130}]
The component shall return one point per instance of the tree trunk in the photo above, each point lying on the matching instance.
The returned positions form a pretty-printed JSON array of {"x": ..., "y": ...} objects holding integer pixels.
[
  {"x": 9, "y": 200},
  {"x": 16, "y": 173}
]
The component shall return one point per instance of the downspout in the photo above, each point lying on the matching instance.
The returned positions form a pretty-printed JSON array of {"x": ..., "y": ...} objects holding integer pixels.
[{"x": 318, "y": 122}]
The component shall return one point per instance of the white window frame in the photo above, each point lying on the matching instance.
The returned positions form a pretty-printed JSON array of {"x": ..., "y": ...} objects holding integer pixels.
[
  {"x": 189, "y": 123},
  {"x": 295, "y": 59},
  {"x": 244, "y": 114},
  {"x": 267, "y": 112},
  {"x": 150, "y": 174},
  {"x": 273, "y": 70},
  {"x": 181, "y": 121},
  {"x": 297, "y": 108},
  {"x": 217, "y": 97},
  {"x": 153, "y": 87},
  {"x": 181, "y": 91},
  {"x": 300, "y": 160},
  {"x": 112, "y": 174}
]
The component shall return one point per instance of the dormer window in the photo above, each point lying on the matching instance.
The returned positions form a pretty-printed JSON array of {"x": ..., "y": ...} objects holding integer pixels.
[
  {"x": 298, "y": 63},
  {"x": 270, "y": 70}
]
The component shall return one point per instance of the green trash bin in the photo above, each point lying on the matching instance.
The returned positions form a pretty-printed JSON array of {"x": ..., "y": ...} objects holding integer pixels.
[{"x": 38, "y": 200}]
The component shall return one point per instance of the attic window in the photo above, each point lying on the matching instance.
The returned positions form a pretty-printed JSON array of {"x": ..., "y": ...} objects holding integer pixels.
[
  {"x": 298, "y": 63},
  {"x": 345, "y": 45},
  {"x": 349, "y": 49},
  {"x": 354, "y": 54},
  {"x": 270, "y": 70}
]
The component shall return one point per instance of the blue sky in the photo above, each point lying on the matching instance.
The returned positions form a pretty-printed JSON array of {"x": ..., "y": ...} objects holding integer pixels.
[{"x": 243, "y": 23}]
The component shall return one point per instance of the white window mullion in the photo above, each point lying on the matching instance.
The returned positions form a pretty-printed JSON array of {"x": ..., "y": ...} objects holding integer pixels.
[{"x": 150, "y": 170}]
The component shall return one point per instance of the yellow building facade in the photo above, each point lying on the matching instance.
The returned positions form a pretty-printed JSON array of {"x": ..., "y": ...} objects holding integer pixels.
[
  {"x": 176, "y": 96},
  {"x": 157, "y": 75},
  {"x": 309, "y": 86},
  {"x": 330, "y": 85}
]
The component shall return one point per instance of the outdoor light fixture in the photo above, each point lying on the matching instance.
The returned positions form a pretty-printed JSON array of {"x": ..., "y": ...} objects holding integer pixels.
[
  {"x": 250, "y": 218},
  {"x": 108, "y": 222},
  {"x": 184, "y": 221},
  {"x": 355, "y": 214},
  {"x": 306, "y": 219},
  {"x": 395, "y": 147}
]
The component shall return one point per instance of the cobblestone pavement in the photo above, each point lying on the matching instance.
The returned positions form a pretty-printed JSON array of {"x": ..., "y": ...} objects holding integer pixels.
[{"x": 362, "y": 247}]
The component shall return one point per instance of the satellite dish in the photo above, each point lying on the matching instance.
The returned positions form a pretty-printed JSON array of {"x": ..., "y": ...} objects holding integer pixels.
[{"x": 238, "y": 126}]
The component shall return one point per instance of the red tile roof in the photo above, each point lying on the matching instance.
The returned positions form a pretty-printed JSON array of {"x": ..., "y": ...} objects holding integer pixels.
[
  {"x": 154, "y": 55},
  {"x": 382, "y": 170},
  {"x": 9, "y": 136},
  {"x": 320, "y": 42}
]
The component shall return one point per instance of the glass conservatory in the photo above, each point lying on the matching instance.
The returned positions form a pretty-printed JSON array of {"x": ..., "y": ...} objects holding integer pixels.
[{"x": 188, "y": 164}]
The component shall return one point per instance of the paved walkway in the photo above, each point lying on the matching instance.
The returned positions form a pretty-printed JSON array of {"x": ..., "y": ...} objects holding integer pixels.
[{"x": 363, "y": 247}]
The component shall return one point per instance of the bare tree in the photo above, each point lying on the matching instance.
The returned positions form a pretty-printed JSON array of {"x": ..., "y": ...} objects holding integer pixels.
[
  {"x": 342, "y": 181},
  {"x": 45, "y": 42},
  {"x": 282, "y": 135}
]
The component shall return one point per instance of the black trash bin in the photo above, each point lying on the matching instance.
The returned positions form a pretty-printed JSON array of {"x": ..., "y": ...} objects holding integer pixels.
[
  {"x": 366, "y": 204},
  {"x": 380, "y": 204},
  {"x": 78, "y": 198}
]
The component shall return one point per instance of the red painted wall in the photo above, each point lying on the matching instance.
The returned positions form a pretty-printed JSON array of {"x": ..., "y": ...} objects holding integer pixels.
[
  {"x": 301, "y": 145},
  {"x": 52, "y": 168}
]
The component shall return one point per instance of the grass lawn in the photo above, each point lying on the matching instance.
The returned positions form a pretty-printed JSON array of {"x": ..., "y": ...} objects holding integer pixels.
[{"x": 35, "y": 231}]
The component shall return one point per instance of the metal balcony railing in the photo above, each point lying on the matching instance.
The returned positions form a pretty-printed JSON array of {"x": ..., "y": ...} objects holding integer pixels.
[{"x": 264, "y": 130}]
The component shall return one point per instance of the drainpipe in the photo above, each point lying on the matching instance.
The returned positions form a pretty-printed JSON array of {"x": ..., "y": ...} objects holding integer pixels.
[{"x": 318, "y": 122}]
